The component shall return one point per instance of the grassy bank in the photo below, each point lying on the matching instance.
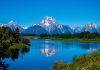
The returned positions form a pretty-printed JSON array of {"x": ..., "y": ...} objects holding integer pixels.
[
  {"x": 83, "y": 36},
  {"x": 65, "y": 39},
  {"x": 84, "y": 62},
  {"x": 76, "y": 39},
  {"x": 17, "y": 46}
]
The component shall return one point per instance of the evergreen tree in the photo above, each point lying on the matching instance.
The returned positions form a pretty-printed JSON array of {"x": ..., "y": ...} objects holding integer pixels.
[{"x": 17, "y": 38}]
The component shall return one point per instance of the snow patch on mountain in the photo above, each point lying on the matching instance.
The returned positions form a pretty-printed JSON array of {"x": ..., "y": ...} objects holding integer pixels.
[
  {"x": 49, "y": 25},
  {"x": 25, "y": 27},
  {"x": 91, "y": 27},
  {"x": 77, "y": 30}
]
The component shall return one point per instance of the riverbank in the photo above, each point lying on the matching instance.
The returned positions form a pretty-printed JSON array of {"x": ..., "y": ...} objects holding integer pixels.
[
  {"x": 64, "y": 39},
  {"x": 17, "y": 46},
  {"x": 84, "y": 62}
]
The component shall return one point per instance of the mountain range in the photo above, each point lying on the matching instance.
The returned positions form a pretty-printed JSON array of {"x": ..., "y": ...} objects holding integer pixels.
[{"x": 49, "y": 25}]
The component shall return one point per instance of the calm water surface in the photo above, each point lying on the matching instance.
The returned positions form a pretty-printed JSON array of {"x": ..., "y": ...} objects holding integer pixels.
[{"x": 44, "y": 52}]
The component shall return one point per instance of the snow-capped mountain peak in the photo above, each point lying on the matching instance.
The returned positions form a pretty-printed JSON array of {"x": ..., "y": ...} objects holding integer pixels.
[
  {"x": 48, "y": 18},
  {"x": 25, "y": 27},
  {"x": 91, "y": 24},
  {"x": 12, "y": 23},
  {"x": 48, "y": 25},
  {"x": 1, "y": 25},
  {"x": 77, "y": 30},
  {"x": 47, "y": 21},
  {"x": 91, "y": 27}
]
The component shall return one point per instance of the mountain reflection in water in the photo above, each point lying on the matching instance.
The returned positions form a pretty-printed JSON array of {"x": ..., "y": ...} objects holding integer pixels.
[
  {"x": 92, "y": 49},
  {"x": 44, "y": 52},
  {"x": 48, "y": 51}
]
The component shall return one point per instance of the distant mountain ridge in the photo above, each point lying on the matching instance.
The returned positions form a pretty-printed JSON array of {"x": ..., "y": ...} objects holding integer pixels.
[
  {"x": 49, "y": 25},
  {"x": 13, "y": 25},
  {"x": 91, "y": 27}
]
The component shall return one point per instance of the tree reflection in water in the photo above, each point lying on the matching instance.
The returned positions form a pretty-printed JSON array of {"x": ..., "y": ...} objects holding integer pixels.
[
  {"x": 13, "y": 54},
  {"x": 3, "y": 65}
]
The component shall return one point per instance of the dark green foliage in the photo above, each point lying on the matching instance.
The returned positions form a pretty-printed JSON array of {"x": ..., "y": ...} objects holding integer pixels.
[
  {"x": 88, "y": 35},
  {"x": 59, "y": 65},
  {"x": 84, "y": 62},
  {"x": 11, "y": 42},
  {"x": 83, "y": 35},
  {"x": 16, "y": 35},
  {"x": 3, "y": 65},
  {"x": 43, "y": 35},
  {"x": 10, "y": 37},
  {"x": 25, "y": 41}
]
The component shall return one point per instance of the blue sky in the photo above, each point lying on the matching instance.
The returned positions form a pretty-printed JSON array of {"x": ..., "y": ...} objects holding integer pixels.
[{"x": 66, "y": 12}]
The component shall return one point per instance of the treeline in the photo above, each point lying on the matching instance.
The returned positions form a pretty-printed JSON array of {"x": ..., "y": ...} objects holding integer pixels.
[
  {"x": 10, "y": 37},
  {"x": 82, "y": 35}
]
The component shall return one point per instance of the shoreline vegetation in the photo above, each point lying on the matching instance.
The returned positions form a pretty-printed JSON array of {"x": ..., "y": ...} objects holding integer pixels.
[
  {"x": 17, "y": 46},
  {"x": 12, "y": 39},
  {"x": 85, "y": 62},
  {"x": 11, "y": 42},
  {"x": 83, "y": 36},
  {"x": 63, "y": 39}
]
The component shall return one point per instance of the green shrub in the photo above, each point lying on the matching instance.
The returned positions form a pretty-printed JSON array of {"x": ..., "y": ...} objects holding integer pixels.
[{"x": 84, "y": 62}]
